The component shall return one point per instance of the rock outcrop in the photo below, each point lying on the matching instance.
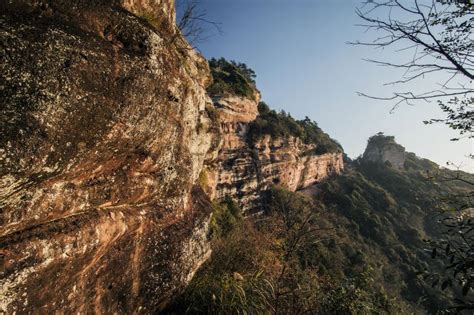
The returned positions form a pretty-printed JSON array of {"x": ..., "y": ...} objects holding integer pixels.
[
  {"x": 104, "y": 131},
  {"x": 384, "y": 149}
]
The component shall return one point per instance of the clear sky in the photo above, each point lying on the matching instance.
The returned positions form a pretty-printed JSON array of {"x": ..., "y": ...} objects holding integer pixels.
[{"x": 298, "y": 50}]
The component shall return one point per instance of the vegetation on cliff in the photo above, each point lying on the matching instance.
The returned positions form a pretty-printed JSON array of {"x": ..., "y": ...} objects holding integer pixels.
[
  {"x": 381, "y": 140},
  {"x": 435, "y": 39},
  {"x": 83, "y": 230},
  {"x": 230, "y": 77},
  {"x": 282, "y": 125}
]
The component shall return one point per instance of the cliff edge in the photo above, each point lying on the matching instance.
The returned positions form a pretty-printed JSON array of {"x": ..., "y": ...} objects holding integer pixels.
[{"x": 259, "y": 147}]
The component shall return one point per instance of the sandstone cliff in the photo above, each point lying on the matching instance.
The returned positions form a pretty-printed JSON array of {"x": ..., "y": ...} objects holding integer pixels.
[{"x": 104, "y": 131}]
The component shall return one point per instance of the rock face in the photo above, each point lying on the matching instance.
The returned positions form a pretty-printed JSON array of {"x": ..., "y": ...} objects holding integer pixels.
[
  {"x": 236, "y": 109},
  {"x": 384, "y": 149},
  {"x": 243, "y": 172},
  {"x": 105, "y": 128},
  {"x": 104, "y": 131}
]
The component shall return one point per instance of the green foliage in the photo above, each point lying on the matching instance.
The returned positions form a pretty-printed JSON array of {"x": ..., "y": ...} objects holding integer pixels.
[
  {"x": 231, "y": 77},
  {"x": 381, "y": 140},
  {"x": 313, "y": 134},
  {"x": 353, "y": 297},
  {"x": 226, "y": 294},
  {"x": 248, "y": 73},
  {"x": 285, "y": 262},
  {"x": 282, "y": 125},
  {"x": 225, "y": 217},
  {"x": 232, "y": 281},
  {"x": 291, "y": 208},
  {"x": 263, "y": 108},
  {"x": 391, "y": 207},
  {"x": 452, "y": 251},
  {"x": 277, "y": 125},
  {"x": 363, "y": 203},
  {"x": 459, "y": 116},
  {"x": 353, "y": 248}
]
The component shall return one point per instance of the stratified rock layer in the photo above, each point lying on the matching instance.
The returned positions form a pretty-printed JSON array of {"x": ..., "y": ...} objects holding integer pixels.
[
  {"x": 244, "y": 172},
  {"x": 104, "y": 131}
]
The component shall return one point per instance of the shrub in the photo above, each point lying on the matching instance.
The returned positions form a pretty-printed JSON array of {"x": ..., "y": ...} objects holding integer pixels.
[
  {"x": 231, "y": 77},
  {"x": 351, "y": 249},
  {"x": 225, "y": 217},
  {"x": 233, "y": 281},
  {"x": 226, "y": 294},
  {"x": 381, "y": 140},
  {"x": 282, "y": 125}
]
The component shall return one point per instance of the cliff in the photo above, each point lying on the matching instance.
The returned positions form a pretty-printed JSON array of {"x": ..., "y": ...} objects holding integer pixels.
[
  {"x": 362, "y": 246},
  {"x": 106, "y": 131},
  {"x": 244, "y": 168},
  {"x": 244, "y": 173}
]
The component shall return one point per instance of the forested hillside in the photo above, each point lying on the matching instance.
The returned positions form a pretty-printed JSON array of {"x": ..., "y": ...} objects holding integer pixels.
[{"x": 354, "y": 244}]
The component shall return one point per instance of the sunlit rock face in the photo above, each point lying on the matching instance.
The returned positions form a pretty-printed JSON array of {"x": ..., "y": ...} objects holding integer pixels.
[
  {"x": 236, "y": 109},
  {"x": 245, "y": 173},
  {"x": 104, "y": 131}
]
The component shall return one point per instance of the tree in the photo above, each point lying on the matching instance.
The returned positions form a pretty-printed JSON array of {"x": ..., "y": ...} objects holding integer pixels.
[
  {"x": 193, "y": 22},
  {"x": 246, "y": 71},
  {"x": 459, "y": 116},
  {"x": 293, "y": 220},
  {"x": 192, "y": 25},
  {"x": 439, "y": 35}
]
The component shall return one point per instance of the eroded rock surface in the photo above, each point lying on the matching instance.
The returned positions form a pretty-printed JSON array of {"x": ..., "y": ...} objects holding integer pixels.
[
  {"x": 104, "y": 131},
  {"x": 244, "y": 172}
]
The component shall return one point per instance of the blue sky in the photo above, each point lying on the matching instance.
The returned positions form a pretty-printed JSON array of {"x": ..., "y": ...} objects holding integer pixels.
[{"x": 298, "y": 50}]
